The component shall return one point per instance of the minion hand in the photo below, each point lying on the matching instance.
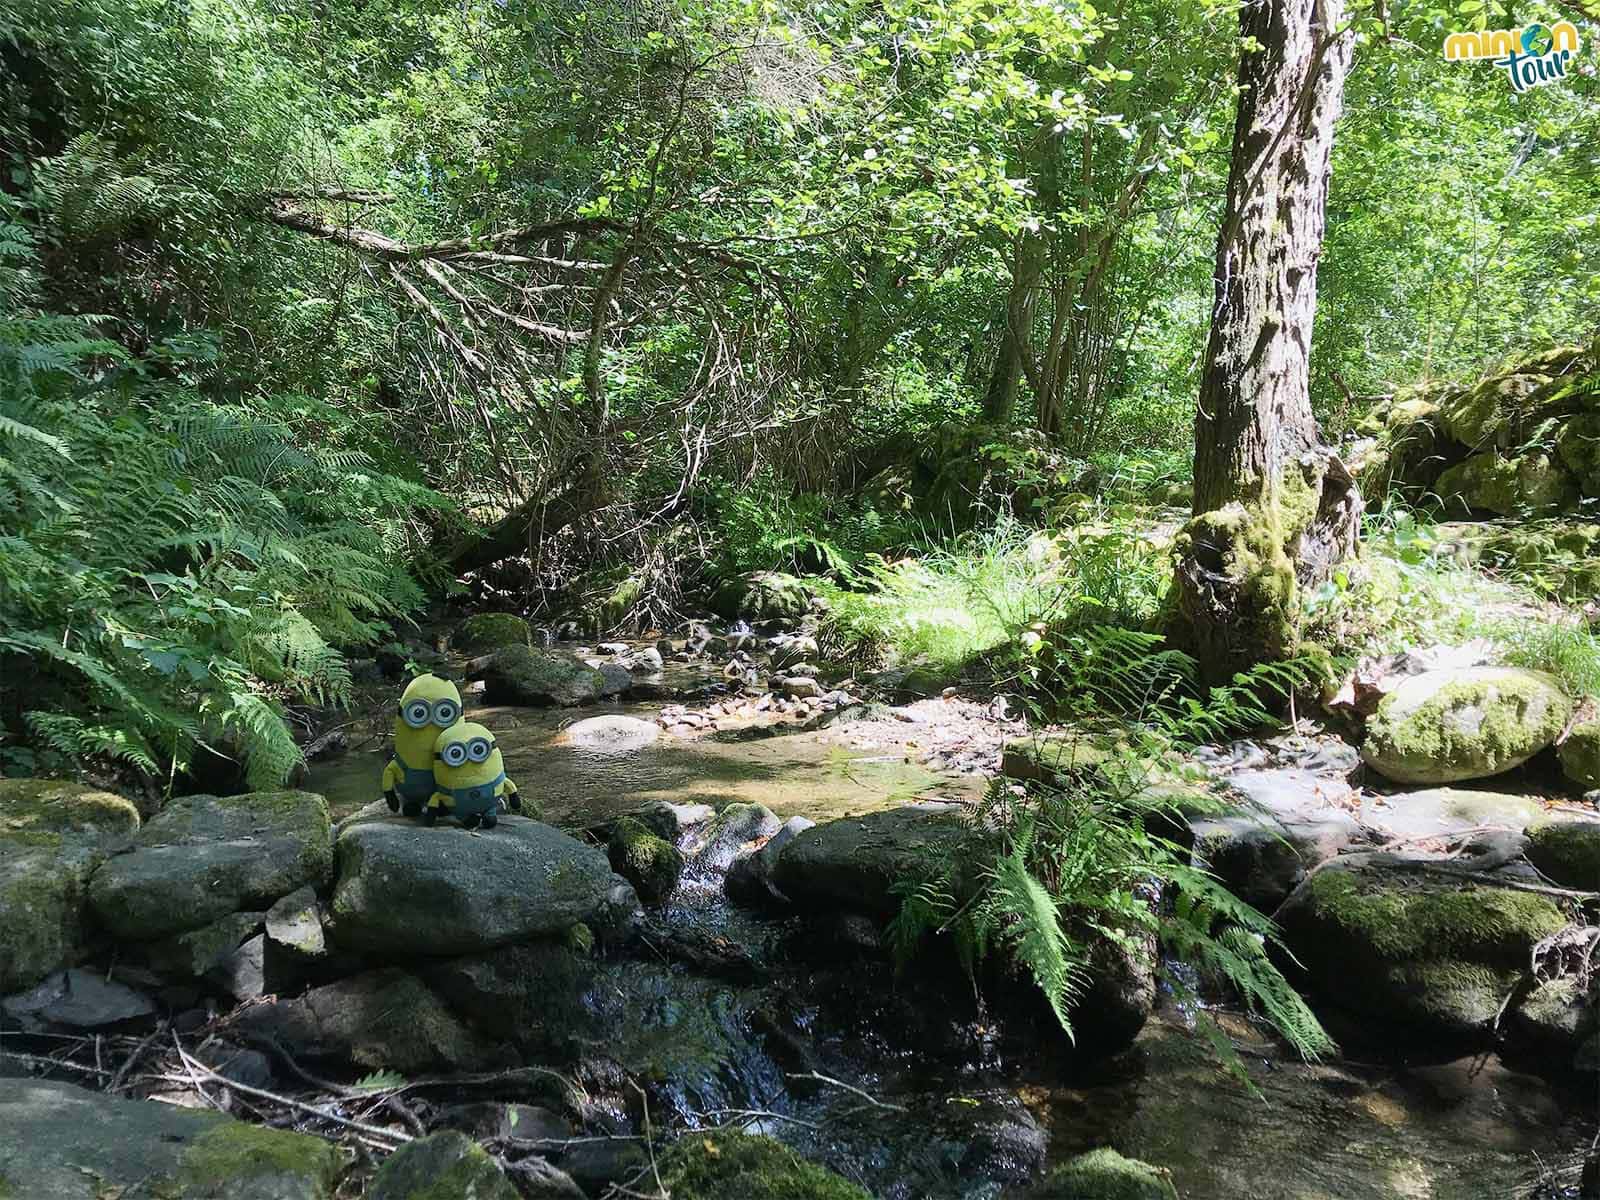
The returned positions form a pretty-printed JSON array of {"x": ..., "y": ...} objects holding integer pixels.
[
  {"x": 394, "y": 800},
  {"x": 514, "y": 800}
]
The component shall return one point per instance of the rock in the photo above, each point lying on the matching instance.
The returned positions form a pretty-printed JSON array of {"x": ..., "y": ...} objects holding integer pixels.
[
  {"x": 723, "y": 1165},
  {"x": 852, "y": 863},
  {"x": 1443, "y": 726},
  {"x": 441, "y": 1165},
  {"x": 1260, "y": 859},
  {"x": 1580, "y": 754},
  {"x": 242, "y": 973},
  {"x": 191, "y": 955},
  {"x": 1051, "y": 757},
  {"x": 84, "y": 1145},
  {"x": 787, "y": 650},
  {"x": 1578, "y": 444},
  {"x": 493, "y": 1119},
  {"x": 731, "y": 830},
  {"x": 250, "y": 1068},
  {"x": 666, "y": 649},
  {"x": 407, "y": 890},
  {"x": 1380, "y": 935},
  {"x": 204, "y": 857},
  {"x": 77, "y": 999},
  {"x": 596, "y": 1166},
  {"x": 800, "y": 687},
  {"x": 52, "y": 837},
  {"x": 521, "y": 675},
  {"x": 750, "y": 874},
  {"x": 1530, "y": 484},
  {"x": 647, "y": 661},
  {"x": 1557, "y": 1017},
  {"x": 294, "y": 925},
  {"x": 999, "y": 1140},
  {"x": 380, "y": 1020},
  {"x": 612, "y": 648},
  {"x": 1566, "y": 852},
  {"x": 490, "y": 631},
  {"x": 650, "y": 863},
  {"x": 612, "y": 735},
  {"x": 662, "y": 818},
  {"x": 1446, "y": 812},
  {"x": 615, "y": 680},
  {"x": 1105, "y": 1175},
  {"x": 761, "y": 595}
]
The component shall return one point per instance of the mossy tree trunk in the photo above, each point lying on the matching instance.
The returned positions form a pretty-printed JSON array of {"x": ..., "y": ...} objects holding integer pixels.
[{"x": 1274, "y": 509}]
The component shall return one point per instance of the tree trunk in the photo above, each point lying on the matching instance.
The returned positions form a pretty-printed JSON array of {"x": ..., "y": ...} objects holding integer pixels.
[{"x": 1274, "y": 509}]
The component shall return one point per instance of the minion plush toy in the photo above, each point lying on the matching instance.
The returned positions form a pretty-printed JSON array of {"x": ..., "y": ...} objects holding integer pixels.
[
  {"x": 428, "y": 707},
  {"x": 469, "y": 778}
]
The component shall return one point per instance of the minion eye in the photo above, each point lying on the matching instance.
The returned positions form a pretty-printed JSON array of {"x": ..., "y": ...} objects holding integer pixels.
[
  {"x": 445, "y": 713},
  {"x": 416, "y": 713},
  {"x": 454, "y": 754},
  {"x": 478, "y": 749}
]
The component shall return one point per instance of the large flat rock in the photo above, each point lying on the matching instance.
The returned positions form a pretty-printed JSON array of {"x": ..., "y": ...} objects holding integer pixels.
[
  {"x": 852, "y": 864},
  {"x": 204, "y": 857},
  {"x": 62, "y": 1142},
  {"x": 405, "y": 890}
]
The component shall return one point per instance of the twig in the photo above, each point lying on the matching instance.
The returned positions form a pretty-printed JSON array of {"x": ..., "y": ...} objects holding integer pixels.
[
  {"x": 132, "y": 1060},
  {"x": 40, "y": 1060},
  {"x": 818, "y": 1077}
]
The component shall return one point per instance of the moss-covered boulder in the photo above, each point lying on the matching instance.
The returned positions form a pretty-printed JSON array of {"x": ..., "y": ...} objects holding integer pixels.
[
  {"x": 87, "y": 1145},
  {"x": 1578, "y": 444},
  {"x": 1531, "y": 484},
  {"x": 444, "y": 1166},
  {"x": 651, "y": 863},
  {"x": 202, "y": 858},
  {"x": 1386, "y": 938},
  {"x": 1050, "y": 757},
  {"x": 1104, "y": 1174},
  {"x": 1567, "y": 851},
  {"x": 1580, "y": 754},
  {"x": 1494, "y": 411},
  {"x": 52, "y": 837},
  {"x": 521, "y": 675},
  {"x": 761, "y": 596},
  {"x": 490, "y": 631},
  {"x": 1449, "y": 725},
  {"x": 852, "y": 864},
  {"x": 740, "y": 1166}
]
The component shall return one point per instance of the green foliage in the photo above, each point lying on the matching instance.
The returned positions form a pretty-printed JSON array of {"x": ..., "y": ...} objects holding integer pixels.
[{"x": 1565, "y": 649}]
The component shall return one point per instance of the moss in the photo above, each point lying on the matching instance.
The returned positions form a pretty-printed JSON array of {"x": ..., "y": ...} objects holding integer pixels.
[
  {"x": 490, "y": 631},
  {"x": 1456, "y": 996},
  {"x": 1580, "y": 754},
  {"x": 740, "y": 1166},
  {"x": 613, "y": 610},
  {"x": 520, "y": 675},
  {"x": 232, "y": 1151},
  {"x": 1568, "y": 852},
  {"x": 1403, "y": 924},
  {"x": 1521, "y": 713},
  {"x": 761, "y": 595},
  {"x": 41, "y": 900},
  {"x": 1531, "y": 484},
  {"x": 41, "y": 807},
  {"x": 1104, "y": 1174},
  {"x": 652, "y": 864},
  {"x": 446, "y": 1166}
]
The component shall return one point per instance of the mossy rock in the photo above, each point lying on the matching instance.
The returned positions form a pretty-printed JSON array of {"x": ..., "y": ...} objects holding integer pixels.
[
  {"x": 1531, "y": 484},
  {"x": 760, "y": 596},
  {"x": 1568, "y": 852},
  {"x": 237, "y": 1159},
  {"x": 491, "y": 631},
  {"x": 1052, "y": 757},
  {"x": 1496, "y": 411},
  {"x": 1578, "y": 444},
  {"x": 521, "y": 675},
  {"x": 1445, "y": 726},
  {"x": 53, "y": 835},
  {"x": 1580, "y": 754},
  {"x": 1104, "y": 1174},
  {"x": 444, "y": 1166},
  {"x": 649, "y": 862},
  {"x": 742, "y": 1166},
  {"x": 1381, "y": 936}
]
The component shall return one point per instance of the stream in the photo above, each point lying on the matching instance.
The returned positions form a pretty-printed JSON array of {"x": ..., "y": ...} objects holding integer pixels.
[{"x": 910, "y": 1088}]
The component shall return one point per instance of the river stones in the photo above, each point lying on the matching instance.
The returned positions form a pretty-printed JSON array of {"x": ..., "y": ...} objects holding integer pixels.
[
  {"x": 1567, "y": 852},
  {"x": 649, "y": 862},
  {"x": 731, "y": 831},
  {"x": 1580, "y": 754},
  {"x": 1445, "y": 726},
  {"x": 1104, "y": 1174},
  {"x": 203, "y": 857},
  {"x": 724, "y": 1165},
  {"x": 611, "y": 734},
  {"x": 62, "y": 1142},
  {"x": 491, "y": 631},
  {"x": 444, "y": 1164},
  {"x": 405, "y": 890},
  {"x": 853, "y": 863},
  {"x": 521, "y": 675},
  {"x": 1446, "y": 811},
  {"x": 750, "y": 874},
  {"x": 761, "y": 595},
  {"x": 52, "y": 836},
  {"x": 1399, "y": 942}
]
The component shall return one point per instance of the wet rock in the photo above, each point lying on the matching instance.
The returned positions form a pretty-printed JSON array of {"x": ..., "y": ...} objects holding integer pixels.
[
  {"x": 1443, "y": 726},
  {"x": 83, "y": 1145},
  {"x": 596, "y": 1166},
  {"x": 650, "y": 863},
  {"x": 612, "y": 734},
  {"x": 750, "y": 874},
  {"x": 1401, "y": 943},
  {"x": 379, "y": 1020},
  {"x": 1105, "y": 1175},
  {"x": 615, "y": 680},
  {"x": 666, "y": 649},
  {"x": 482, "y": 632},
  {"x": 204, "y": 857},
  {"x": 723, "y": 1165},
  {"x": 1580, "y": 754},
  {"x": 761, "y": 595},
  {"x": 853, "y": 863},
  {"x": 1566, "y": 852},
  {"x": 242, "y": 973},
  {"x": 1445, "y": 812},
  {"x": 249, "y": 1068},
  {"x": 647, "y": 661},
  {"x": 616, "y": 649},
  {"x": 730, "y": 831},
  {"x": 1001, "y": 1141},
  {"x": 521, "y": 675},
  {"x": 406, "y": 890},
  {"x": 525, "y": 1122},
  {"x": 78, "y": 999},
  {"x": 662, "y": 818},
  {"x": 52, "y": 837},
  {"x": 442, "y": 1164}
]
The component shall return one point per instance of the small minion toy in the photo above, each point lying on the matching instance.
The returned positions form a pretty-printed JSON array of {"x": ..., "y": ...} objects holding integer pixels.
[
  {"x": 428, "y": 706},
  {"x": 469, "y": 778}
]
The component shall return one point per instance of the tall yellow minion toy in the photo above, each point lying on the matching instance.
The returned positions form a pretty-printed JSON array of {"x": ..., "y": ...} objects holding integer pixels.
[
  {"x": 469, "y": 778},
  {"x": 428, "y": 707}
]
